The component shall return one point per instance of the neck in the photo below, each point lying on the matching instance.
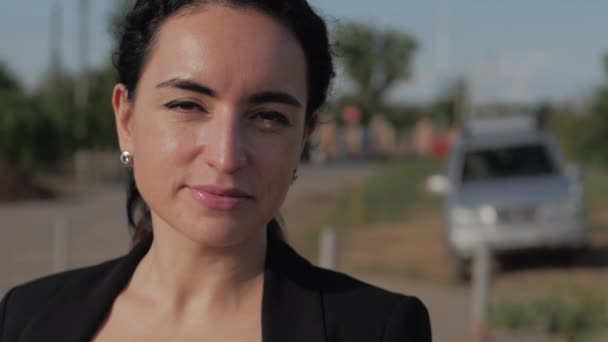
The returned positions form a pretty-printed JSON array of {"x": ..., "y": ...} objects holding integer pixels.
[{"x": 179, "y": 272}]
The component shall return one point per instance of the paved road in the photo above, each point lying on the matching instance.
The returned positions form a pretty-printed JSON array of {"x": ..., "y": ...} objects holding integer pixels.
[{"x": 98, "y": 220}]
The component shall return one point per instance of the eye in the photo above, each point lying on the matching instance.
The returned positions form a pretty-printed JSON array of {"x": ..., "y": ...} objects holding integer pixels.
[
  {"x": 185, "y": 106},
  {"x": 270, "y": 120}
]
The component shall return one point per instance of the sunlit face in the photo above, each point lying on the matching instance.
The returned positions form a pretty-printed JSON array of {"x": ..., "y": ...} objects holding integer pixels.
[{"x": 218, "y": 123}]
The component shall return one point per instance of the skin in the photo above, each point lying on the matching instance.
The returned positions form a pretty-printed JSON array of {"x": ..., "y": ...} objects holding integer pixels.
[{"x": 207, "y": 112}]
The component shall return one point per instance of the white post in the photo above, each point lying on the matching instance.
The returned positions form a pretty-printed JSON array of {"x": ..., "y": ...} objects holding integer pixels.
[
  {"x": 61, "y": 252},
  {"x": 327, "y": 248},
  {"x": 481, "y": 287}
]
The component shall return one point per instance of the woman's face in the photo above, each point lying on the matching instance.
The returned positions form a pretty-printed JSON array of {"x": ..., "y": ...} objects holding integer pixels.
[{"x": 218, "y": 123}]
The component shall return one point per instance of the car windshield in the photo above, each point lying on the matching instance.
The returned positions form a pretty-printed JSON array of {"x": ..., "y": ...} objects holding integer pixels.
[{"x": 518, "y": 161}]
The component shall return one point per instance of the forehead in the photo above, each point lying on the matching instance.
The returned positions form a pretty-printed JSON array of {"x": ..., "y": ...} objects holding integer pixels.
[{"x": 228, "y": 46}]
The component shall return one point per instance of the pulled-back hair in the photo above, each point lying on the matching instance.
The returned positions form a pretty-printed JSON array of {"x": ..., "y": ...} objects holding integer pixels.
[{"x": 136, "y": 40}]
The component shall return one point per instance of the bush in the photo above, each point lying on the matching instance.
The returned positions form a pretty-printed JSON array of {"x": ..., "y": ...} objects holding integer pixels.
[
  {"x": 384, "y": 197},
  {"x": 578, "y": 318}
]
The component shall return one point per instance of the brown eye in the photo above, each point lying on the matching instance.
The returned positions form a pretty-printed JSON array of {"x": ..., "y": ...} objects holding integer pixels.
[
  {"x": 185, "y": 106},
  {"x": 272, "y": 118}
]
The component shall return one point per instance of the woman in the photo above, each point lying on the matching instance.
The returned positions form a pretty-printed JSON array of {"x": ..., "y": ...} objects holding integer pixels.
[{"x": 214, "y": 104}]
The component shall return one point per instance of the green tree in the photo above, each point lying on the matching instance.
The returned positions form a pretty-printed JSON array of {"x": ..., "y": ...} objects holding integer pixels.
[
  {"x": 8, "y": 81},
  {"x": 100, "y": 123},
  {"x": 41, "y": 129},
  {"x": 374, "y": 60},
  {"x": 592, "y": 131},
  {"x": 27, "y": 136}
]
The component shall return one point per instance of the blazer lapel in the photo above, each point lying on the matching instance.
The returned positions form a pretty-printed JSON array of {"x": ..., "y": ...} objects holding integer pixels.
[
  {"x": 78, "y": 309},
  {"x": 292, "y": 302}
]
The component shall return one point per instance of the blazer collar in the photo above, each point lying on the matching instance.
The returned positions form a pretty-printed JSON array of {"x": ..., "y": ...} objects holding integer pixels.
[
  {"x": 291, "y": 300},
  {"x": 81, "y": 305}
]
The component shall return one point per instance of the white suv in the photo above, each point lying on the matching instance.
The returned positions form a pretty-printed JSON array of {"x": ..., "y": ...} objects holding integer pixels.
[{"x": 509, "y": 187}]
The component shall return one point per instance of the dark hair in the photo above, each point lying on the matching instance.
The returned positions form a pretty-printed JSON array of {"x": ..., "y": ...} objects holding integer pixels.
[{"x": 137, "y": 35}]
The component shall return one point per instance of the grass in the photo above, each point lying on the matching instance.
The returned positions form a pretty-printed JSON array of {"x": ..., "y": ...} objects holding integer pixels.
[
  {"x": 596, "y": 184},
  {"x": 384, "y": 197},
  {"x": 395, "y": 196},
  {"x": 398, "y": 187},
  {"x": 395, "y": 193},
  {"x": 596, "y": 191},
  {"x": 577, "y": 316}
]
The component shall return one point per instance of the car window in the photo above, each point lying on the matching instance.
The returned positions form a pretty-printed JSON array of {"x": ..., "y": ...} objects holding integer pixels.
[{"x": 517, "y": 161}]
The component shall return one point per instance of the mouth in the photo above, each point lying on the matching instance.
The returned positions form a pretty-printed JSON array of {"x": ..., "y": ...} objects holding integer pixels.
[{"x": 219, "y": 198}]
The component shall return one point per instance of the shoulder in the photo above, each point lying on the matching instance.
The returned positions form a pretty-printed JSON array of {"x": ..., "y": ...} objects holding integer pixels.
[
  {"x": 78, "y": 299},
  {"x": 351, "y": 310},
  {"x": 23, "y": 302},
  {"x": 45, "y": 287},
  {"x": 354, "y": 308}
]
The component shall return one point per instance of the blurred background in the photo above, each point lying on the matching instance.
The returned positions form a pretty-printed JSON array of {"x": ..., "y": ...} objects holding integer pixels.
[{"x": 462, "y": 157}]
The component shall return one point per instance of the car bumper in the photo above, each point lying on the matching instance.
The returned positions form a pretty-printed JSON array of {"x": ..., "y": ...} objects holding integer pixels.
[{"x": 505, "y": 238}]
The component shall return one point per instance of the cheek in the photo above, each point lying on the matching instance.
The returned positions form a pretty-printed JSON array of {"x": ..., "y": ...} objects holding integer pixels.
[
  {"x": 160, "y": 143},
  {"x": 161, "y": 150},
  {"x": 279, "y": 155},
  {"x": 275, "y": 164}
]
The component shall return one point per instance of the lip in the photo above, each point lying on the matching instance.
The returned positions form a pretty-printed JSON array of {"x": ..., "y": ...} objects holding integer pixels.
[{"x": 218, "y": 197}]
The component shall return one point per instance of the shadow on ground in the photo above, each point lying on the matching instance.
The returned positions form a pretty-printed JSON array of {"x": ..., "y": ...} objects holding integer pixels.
[{"x": 590, "y": 257}]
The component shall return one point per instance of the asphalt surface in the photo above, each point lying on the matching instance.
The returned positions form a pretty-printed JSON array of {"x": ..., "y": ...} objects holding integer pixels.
[{"x": 97, "y": 222}]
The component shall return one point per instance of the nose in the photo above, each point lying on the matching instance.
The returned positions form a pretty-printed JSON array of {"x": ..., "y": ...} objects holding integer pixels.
[{"x": 224, "y": 148}]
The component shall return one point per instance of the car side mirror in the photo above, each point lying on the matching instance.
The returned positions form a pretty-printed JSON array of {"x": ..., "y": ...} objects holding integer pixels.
[{"x": 438, "y": 184}]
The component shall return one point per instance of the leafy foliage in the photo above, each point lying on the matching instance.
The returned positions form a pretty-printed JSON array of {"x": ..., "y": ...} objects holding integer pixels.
[
  {"x": 26, "y": 134},
  {"x": 384, "y": 197},
  {"x": 45, "y": 127},
  {"x": 374, "y": 61},
  {"x": 578, "y": 318},
  {"x": 585, "y": 135},
  {"x": 8, "y": 81}
]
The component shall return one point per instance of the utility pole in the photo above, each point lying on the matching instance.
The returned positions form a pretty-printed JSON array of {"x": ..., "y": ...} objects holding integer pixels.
[
  {"x": 55, "y": 40},
  {"x": 82, "y": 85},
  {"x": 81, "y": 95},
  {"x": 442, "y": 42}
]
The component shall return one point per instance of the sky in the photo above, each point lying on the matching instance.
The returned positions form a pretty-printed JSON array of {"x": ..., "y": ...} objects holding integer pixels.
[{"x": 525, "y": 51}]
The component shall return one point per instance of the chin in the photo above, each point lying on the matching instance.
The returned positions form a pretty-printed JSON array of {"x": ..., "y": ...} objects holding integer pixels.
[{"x": 222, "y": 232}]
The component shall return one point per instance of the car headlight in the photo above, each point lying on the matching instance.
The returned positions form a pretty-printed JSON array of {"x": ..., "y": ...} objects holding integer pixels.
[
  {"x": 488, "y": 214},
  {"x": 485, "y": 214}
]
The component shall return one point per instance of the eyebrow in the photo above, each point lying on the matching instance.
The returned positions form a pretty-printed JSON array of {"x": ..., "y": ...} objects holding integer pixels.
[
  {"x": 276, "y": 97},
  {"x": 184, "y": 84},
  {"x": 259, "y": 98}
]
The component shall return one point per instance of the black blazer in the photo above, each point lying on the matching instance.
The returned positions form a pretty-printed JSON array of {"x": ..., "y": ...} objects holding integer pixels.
[{"x": 301, "y": 303}]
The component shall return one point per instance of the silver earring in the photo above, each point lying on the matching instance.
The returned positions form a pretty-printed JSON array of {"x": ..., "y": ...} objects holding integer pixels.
[{"x": 126, "y": 158}]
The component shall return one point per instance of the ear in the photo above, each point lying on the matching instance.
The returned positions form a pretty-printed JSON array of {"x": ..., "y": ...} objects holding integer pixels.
[{"x": 123, "y": 113}]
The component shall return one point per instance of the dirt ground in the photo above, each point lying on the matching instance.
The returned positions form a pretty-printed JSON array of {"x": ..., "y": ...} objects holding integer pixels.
[
  {"x": 411, "y": 257},
  {"x": 407, "y": 257}
]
